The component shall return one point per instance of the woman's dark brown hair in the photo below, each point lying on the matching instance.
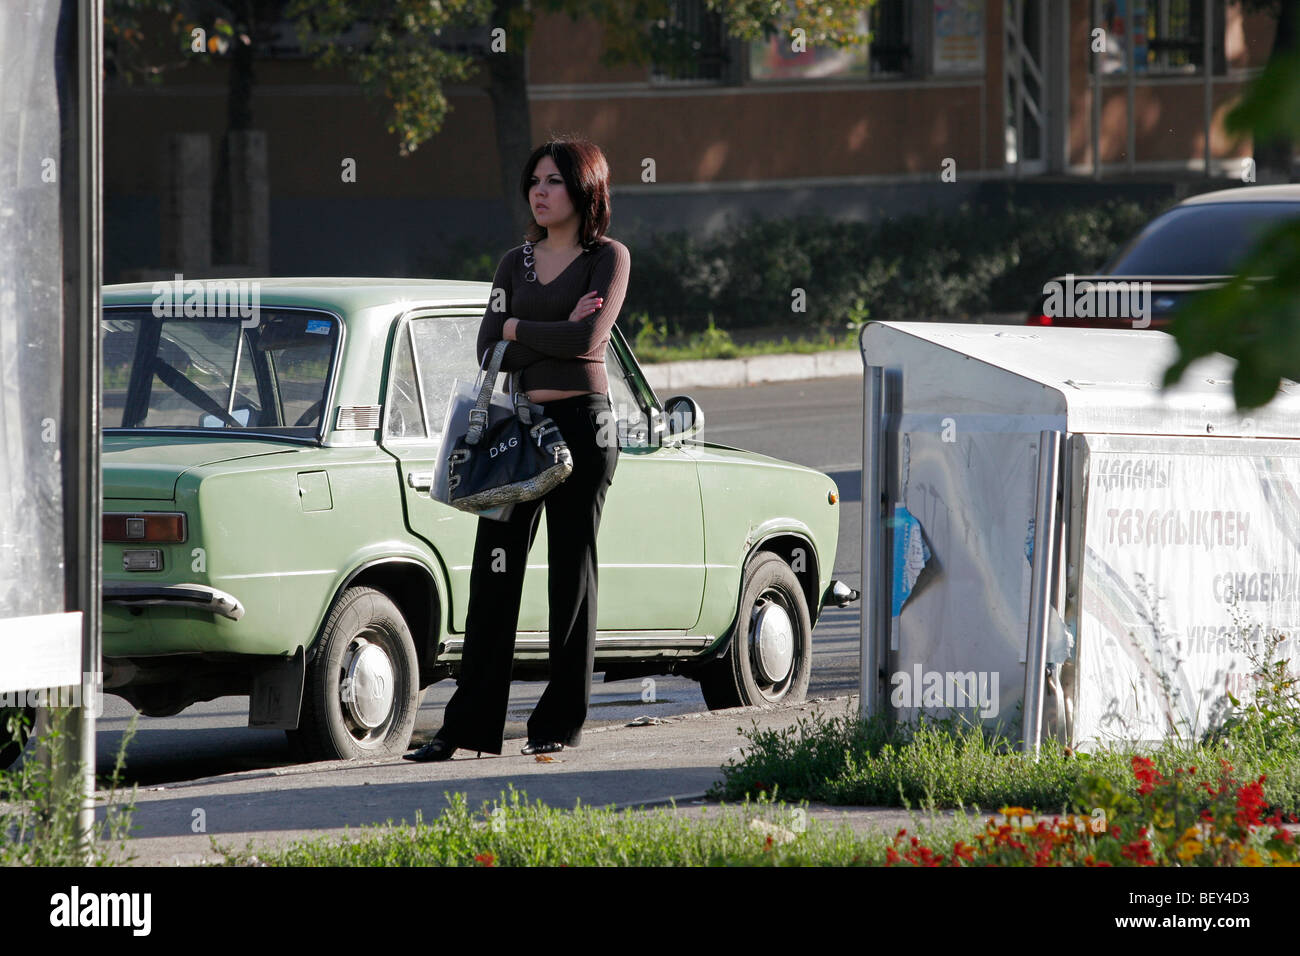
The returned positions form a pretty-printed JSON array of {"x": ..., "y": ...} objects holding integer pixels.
[{"x": 585, "y": 172}]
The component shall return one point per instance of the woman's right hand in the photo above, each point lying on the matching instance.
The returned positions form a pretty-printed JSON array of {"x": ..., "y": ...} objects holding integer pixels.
[{"x": 588, "y": 304}]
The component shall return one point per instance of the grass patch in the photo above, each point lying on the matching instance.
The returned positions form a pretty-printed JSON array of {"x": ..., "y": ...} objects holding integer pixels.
[
  {"x": 40, "y": 800},
  {"x": 517, "y": 831},
  {"x": 948, "y": 763},
  {"x": 653, "y": 343}
]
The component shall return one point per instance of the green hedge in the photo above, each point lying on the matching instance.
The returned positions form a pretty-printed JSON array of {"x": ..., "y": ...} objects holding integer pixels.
[{"x": 949, "y": 265}]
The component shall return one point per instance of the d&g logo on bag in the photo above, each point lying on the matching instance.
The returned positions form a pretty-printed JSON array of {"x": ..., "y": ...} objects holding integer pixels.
[{"x": 503, "y": 446}]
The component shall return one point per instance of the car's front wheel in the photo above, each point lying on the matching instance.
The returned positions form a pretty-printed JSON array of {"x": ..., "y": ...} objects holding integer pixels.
[
  {"x": 362, "y": 689},
  {"x": 770, "y": 656}
]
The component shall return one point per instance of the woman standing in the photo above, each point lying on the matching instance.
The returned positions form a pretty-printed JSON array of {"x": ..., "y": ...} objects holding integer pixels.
[{"x": 555, "y": 298}]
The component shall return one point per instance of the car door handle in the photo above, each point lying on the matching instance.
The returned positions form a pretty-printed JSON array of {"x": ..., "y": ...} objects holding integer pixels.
[{"x": 421, "y": 481}]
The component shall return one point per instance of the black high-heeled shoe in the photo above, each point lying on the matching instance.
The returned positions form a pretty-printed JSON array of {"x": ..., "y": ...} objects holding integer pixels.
[
  {"x": 541, "y": 747},
  {"x": 435, "y": 749}
]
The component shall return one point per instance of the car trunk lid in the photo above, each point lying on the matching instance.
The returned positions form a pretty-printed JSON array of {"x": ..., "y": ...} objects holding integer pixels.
[{"x": 148, "y": 468}]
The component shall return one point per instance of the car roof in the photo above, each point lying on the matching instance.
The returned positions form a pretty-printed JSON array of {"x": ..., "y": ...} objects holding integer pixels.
[
  {"x": 1285, "y": 192},
  {"x": 344, "y": 294}
]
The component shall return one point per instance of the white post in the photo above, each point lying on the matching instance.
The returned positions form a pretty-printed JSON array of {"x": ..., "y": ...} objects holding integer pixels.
[
  {"x": 872, "y": 636},
  {"x": 1040, "y": 589}
]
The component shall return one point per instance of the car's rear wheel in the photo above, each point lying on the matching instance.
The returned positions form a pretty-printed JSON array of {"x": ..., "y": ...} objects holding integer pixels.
[
  {"x": 770, "y": 656},
  {"x": 362, "y": 689}
]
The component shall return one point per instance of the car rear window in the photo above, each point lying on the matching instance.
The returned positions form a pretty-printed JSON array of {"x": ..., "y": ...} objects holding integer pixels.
[
  {"x": 216, "y": 374},
  {"x": 1208, "y": 240}
]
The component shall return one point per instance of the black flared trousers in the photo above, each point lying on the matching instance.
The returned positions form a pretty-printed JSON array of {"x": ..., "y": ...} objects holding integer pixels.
[{"x": 475, "y": 717}]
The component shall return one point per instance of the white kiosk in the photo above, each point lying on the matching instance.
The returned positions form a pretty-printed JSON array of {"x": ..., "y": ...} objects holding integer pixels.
[{"x": 1117, "y": 582}]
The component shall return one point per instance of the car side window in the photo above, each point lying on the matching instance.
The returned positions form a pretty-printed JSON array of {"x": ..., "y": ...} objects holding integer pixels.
[
  {"x": 405, "y": 418},
  {"x": 444, "y": 352},
  {"x": 633, "y": 423}
]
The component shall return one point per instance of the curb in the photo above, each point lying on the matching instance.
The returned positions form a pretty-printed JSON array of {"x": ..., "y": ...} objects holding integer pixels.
[{"x": 755, "y": 370}]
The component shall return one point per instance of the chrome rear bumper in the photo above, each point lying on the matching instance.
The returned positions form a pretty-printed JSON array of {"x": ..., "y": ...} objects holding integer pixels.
[{"x": 198, "y": 596}]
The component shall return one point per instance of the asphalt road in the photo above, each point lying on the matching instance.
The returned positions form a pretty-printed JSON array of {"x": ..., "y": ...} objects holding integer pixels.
[{"x": 816, "y": 423}]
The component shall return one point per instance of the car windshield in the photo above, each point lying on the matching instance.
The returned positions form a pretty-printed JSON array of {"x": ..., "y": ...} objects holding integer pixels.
[
  {"x": 213, "y": 373},
  {"x": 1208, "y": 240}
]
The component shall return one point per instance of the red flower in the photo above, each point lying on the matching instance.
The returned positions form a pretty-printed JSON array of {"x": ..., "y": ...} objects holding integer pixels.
[
  {"x": 1148, "y": 777},
  {"x": 1250, "y": 801},
  {"x": 1139, "y": 851},
  {"x": 485, "y": 859}
]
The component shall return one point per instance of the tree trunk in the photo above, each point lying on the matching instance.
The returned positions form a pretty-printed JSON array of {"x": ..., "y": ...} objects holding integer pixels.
[
  {"x": 239, "y": 116},
  {"x": 1273, "y": 158},
  {"x": 508, "y": 90}
]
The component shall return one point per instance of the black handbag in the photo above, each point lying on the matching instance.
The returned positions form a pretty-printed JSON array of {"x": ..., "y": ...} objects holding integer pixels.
[{"x": 518, "y": 458}]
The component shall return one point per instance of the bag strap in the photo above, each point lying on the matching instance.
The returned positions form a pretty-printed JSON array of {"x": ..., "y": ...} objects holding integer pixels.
[{"x": 478, "y": 415}]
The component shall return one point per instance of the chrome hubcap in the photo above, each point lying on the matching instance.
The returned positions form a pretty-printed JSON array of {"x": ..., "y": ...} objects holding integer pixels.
[
  {"x": 772, "y": 640},
  {"x": 370, "y": 688}
]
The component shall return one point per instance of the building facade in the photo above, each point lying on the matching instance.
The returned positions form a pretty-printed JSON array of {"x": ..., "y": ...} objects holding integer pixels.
[{"x": 948, "y": 95}]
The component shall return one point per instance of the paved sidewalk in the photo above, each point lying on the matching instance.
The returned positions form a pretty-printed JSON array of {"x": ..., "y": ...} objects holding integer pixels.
[{"x": 675, "y": 759}]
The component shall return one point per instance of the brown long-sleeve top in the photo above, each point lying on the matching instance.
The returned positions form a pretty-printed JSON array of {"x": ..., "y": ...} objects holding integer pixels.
[{"x": 549, "y": 351}]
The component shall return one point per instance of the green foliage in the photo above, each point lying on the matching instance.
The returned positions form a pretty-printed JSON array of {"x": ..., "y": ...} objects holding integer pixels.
[
  {"x": 404, "y": 60},
  {"x": 925, "y": 266},
  {"x": 517, "y": 831},
  {"x": 648, "y": 32},
  {"x": 652, "y": 343},
  {"x": 943, "y": 763},
  {"x": 40, "y": 800},
  {"x": 690, "y": 296},
  {"x": 1267, "y": 720},
  {"x": 952, "y": 763},
  {"x": 1254, "y": 317}
]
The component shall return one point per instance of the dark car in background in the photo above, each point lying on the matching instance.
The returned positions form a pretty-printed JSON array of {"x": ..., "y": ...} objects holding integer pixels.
[{"x": 1195, "y": 245}]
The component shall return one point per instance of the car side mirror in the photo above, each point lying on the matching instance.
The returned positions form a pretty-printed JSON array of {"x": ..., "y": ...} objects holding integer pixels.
[{"x": 682, "y": 418}]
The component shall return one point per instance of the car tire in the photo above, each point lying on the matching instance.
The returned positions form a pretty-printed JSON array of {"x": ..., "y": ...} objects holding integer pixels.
[
  {"x": 12, "y": 748},
  {"x": 362, "y": 689},
  {"x": 770, "y": 656}
]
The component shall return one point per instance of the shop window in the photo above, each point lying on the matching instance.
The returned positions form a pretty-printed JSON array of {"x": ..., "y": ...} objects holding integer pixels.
[{"x": 1168, "y": 36}]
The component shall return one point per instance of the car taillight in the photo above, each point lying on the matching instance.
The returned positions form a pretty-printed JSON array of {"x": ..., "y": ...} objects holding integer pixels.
[{"x": 151, "y": 526}]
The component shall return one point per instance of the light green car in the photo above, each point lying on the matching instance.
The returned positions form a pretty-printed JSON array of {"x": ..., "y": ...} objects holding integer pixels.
[{"x": 268, "y": 528}]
